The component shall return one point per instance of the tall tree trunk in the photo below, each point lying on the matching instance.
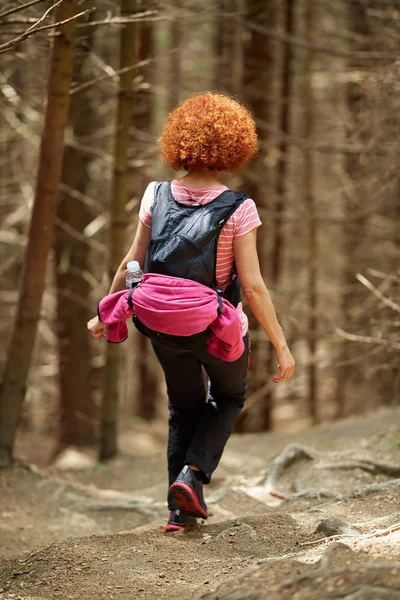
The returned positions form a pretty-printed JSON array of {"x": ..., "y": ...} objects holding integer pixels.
[
  {"x": 176, "y": 38},
  {"x": 108, "y": 441},
  {"x": 351, "y": 294},
  {"x": 286, "y": 88},
  {"x": 77, "y": 423},
  {"x": 32, "y": 285},
  {"x": 147, "y": 390},
  {"x": 258, "y": 79},
  {"x": 225, "y": 44},
  {"x": 308, "y": 191}
]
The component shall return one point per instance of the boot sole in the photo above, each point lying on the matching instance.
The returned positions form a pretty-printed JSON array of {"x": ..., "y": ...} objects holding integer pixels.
[
  {"x": 186, "y": 498},
  {"x": 170, "y": 527}
]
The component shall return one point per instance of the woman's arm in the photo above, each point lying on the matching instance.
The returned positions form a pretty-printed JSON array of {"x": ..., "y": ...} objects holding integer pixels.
[
  {"x": 257, "y": 295},
  {"x": 137, "y": 252}
]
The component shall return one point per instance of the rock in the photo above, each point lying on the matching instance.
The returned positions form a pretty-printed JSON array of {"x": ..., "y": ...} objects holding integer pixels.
[
  {"x": 72, "y": 459},
  {"x": 332, "y": 526}
]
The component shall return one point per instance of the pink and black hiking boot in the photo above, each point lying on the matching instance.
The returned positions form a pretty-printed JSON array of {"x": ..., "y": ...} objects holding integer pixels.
[
  {"x": 179, "y": 520},
  {"x": 187, "y": 493}
]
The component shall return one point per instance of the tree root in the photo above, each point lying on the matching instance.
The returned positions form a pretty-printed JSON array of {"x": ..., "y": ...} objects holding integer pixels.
[
  {"x": 366, "y": 465},
  {"x": 314, "y": 494},
  {"x": 294, "y": 452},
  {"x": 370, "y": 592},
  {"x": 360, "y": 536},
  {"x": 290, "y": 454},
  {"x": 320, "y": 572},
  {"x": 371, "y": 488}
]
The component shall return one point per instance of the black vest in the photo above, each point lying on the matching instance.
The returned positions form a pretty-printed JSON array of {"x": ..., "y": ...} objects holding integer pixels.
[{"x": 184, "y": 239}]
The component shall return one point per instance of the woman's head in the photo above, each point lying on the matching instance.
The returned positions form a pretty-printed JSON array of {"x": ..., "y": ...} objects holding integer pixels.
[{"x": 208, "y": 132}]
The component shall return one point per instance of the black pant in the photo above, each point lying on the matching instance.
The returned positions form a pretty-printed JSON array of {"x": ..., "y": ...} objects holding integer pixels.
[{"x": 199, "y": 423}]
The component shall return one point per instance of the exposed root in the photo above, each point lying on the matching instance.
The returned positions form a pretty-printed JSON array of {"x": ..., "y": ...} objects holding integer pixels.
[
  {"x": 290, "y": 454},
  {"x": 314, "y": 494},
  {"x": 363, "y": 536},
  {"x": 371, "y": 488},
  {"x": 370, "y": 592},
  {"x": 366, "y": 465},
  {"x": 320, "y": 572}
]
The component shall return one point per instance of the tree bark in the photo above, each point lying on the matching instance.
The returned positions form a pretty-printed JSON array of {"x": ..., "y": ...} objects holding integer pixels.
[
  {"x": 356, "y": 97},
  {"x": 259, "y": 89},
  {"x": 119, "y": 195},
  {"x": 308, "y": 192},
  {"x": 286, "y": 88},
  {"x": 147, "y": 390},
  {"x": 77, "y": 424},
  {"x": 32, "y": 285}
]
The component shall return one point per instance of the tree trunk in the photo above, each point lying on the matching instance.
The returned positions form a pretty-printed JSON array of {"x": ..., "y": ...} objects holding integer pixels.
[
  {"x": 351, "y": 294},
  {"x": 147, "y": 390},
  {"x": 32, "y": 285},
  {"x": 308, "y": 191},
  {"x": 77, "y": 423},
  {"x": 225, "y": 45},
  {"x": 176, "y": 38},
  {"x": 108, "y": 441},
  {"x": 259, "y": 89},
  {"x": 286, "y": 88}
]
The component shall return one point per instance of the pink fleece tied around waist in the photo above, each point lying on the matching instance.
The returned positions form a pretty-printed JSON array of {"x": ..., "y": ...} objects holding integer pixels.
[{"x": 175, "y": 306}]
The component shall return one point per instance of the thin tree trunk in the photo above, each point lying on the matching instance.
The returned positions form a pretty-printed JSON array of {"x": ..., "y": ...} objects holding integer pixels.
[
  {"x": 356, "y": 95},
  {"x": 147, "y": 390},
  {"x": 308, "y": 190},
  {"x": 108, "y": 440},
  {"x": 77, "y": 423},
  {"x": 286, "y": 76},
  {"x": 176, "y": 37},
  {"x": 258, "y": 79},
  {"x": 32, "y": 285},
  {"x": 224, "y": 46}
]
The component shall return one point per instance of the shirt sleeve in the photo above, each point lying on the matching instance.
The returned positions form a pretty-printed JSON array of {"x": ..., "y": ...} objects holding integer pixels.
[
  {"x": 247, "y": 218},
  {"x": 145, "y": 214}
]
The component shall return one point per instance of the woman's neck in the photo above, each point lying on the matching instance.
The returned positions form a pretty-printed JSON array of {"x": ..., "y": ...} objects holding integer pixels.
[{"x": 201, "y": 179}]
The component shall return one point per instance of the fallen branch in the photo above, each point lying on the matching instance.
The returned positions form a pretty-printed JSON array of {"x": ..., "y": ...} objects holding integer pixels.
[{"x": 33, "y": 30}]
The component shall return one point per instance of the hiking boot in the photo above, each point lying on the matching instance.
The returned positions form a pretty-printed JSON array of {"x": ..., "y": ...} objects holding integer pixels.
[
  {"x": 179, "y": 520},
  {"x": 187, "y": 493}
]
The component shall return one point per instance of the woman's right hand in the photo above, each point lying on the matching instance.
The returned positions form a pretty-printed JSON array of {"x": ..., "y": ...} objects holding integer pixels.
[
  {"x": 97, "y": 329},
  {"x": 286, "y": 365}
]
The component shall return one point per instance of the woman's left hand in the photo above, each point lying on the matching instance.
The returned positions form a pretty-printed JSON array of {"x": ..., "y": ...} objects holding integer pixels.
[{"x": 97, "y": 329}]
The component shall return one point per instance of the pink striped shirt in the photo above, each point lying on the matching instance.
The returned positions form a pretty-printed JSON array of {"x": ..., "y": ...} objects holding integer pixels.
[{"x": 244, "y": 219}]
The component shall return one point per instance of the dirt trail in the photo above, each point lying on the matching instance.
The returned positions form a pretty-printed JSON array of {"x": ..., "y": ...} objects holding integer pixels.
[{"x": 99, "y": 534}]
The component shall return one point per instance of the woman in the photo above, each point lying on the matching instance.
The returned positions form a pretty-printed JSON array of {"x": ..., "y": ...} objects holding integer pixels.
[{"x": 205, "y": 135}]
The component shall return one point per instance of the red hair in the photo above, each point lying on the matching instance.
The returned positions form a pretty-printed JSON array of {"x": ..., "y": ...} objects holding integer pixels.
[{"x": 209, "y": 132}]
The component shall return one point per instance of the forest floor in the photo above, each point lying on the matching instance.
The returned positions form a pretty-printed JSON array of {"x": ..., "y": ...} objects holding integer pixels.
[{"x": 98, "y": 533}]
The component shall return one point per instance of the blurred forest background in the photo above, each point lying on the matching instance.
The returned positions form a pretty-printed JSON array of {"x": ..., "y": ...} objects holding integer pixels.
[{"x": 322, "y": 80}]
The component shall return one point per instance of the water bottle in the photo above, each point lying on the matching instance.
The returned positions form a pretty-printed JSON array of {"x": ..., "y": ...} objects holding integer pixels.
[{"x": 134, "y": 274}]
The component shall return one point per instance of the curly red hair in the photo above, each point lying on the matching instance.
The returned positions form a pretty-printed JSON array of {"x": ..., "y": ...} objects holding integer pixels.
[{"x": 209, "y": 132}]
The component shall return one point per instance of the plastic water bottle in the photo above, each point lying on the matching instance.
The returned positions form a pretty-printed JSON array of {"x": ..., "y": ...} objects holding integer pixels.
[{"x": 134, "y": 274}]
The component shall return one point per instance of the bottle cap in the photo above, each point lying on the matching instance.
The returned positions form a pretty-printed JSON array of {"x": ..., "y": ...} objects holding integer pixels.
[{"x": 133, "y": 266}]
